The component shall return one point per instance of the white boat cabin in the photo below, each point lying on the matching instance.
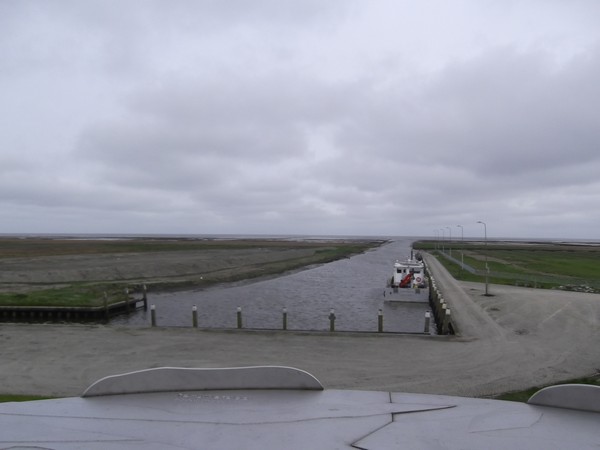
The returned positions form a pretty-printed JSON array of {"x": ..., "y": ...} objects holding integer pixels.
[{"x": 409, "y": 273}]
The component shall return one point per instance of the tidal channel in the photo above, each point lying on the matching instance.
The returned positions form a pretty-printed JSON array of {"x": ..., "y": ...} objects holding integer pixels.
[{"x": 355, "y": 288}]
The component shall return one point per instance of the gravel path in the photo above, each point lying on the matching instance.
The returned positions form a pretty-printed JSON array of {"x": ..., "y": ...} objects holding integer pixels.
[{"x": 515, "y": 338}]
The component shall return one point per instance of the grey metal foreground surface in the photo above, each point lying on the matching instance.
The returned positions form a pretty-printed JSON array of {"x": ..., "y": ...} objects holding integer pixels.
[{"x": 293, "y": 415}]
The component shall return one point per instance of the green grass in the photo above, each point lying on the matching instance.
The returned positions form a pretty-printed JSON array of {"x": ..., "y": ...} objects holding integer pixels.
[
  {"x": 543, "y": 265},
  {"x": 33, "y": 247},
  {"x": 581, "y": 264},
  {"x": 74, "y": 295},
  {"x": 21, "y": 398},
  {"x": 523, "y": 396},
  {"x": 78, "y": 294}
]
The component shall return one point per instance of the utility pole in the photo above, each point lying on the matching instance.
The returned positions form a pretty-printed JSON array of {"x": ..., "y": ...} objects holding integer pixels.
[{"x": 487, "y": 268}]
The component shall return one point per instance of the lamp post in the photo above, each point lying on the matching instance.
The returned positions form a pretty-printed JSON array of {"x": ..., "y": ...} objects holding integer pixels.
[
  {"x": 437, "y": 239},
  {"x": 487, "y": 269},
  {"x": 462, "y": 247},
  {"x": 450, "y": 244},
  {"x": 443, "y": 239}
]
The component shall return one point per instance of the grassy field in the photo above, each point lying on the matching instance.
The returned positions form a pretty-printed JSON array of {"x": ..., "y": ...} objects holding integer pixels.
[
  {"x": 542, "y": 265},
  {"x": 80, "y": 295},
  {"x": 75, "y": 272},
  {"x": 39, "y": 247},
  {"x": 20, "y": 398}
]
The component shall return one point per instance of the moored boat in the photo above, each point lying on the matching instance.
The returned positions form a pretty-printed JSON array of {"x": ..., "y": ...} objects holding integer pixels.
[{"x": 409, "y": 273}]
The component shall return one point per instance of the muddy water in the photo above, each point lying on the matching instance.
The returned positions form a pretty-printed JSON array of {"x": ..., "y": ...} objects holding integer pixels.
[{"x": 353, "y": 287}]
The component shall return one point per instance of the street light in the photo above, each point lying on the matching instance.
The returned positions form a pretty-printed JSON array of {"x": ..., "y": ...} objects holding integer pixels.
[
  {"x": 443, "y": 239},
  {"x": 450, "y": 244},
  {"x": 462, "y": 247},
  {"x": 437, "y": 239},
  {"x": 487, "y": 269}
]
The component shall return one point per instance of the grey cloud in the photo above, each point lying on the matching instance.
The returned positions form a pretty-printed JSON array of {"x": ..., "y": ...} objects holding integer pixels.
[
  {"x": 480, "y": 133},
  {"x": 303, "y": 117},
  {"x": 522, "y": 114},
  {"x": 503, "y": 114}
]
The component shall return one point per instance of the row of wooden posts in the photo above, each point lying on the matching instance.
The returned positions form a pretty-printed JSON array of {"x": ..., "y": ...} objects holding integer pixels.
[
  {"x": 441, "y": 310},
  {"x": 284, "y": 324}
]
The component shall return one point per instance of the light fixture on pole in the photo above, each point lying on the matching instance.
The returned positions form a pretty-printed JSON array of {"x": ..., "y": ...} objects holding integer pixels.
[
  {"x": 487, "y": 268},
  {"x": 443, "y": 239},
  {"x": 462, "y": 247},
  {"x": 450, "y": 244}
]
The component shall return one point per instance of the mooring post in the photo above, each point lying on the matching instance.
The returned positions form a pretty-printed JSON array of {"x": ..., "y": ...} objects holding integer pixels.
[
  {"x": 331, "y": 319},
  {"x": 431, "y": 289},
  {"x": 153, "y": 315},
  {"x": 380, "y": 321},
  {"x": 239, "y": 317},
  {"x": 194, "y": 316},
  {"x": 427, "y": 320},
  {"x": 284, "y": 318},
  {"x": 127, "y": 299},
  {"x": 446, "y": 322},
  {"x": 442, "y": 314},
  {"x": 441, "y": 306},
  {"x": 145, "y": 297}
]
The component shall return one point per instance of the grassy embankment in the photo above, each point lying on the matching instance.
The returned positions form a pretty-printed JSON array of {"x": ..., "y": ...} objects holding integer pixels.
[
  {"x": 20, "y": 398},
  {"x": 82, "y": 293},
  {"x": 541, "y": 265}
]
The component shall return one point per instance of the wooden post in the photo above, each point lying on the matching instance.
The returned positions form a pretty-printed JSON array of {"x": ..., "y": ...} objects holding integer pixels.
[
  {"x": 284, "y": 318},
  {"x": 194, "y": 316},
  {"x": 380, "y": 321},
  {"x": 153, "y": 315},
  {"x": 446, "y": 322},
  {"x": 431, "y": 289},
  {"x": 127, "y": 299},
  {"x": 441, "y": 306},
  {"x": 145, "y": 297},
  {"x": 442, "y": 316},
  {"x": 331, "y": 320},
  {"x": 239, "y": 317}
]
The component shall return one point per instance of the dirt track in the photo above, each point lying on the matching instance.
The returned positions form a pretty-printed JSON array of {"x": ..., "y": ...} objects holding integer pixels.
[{"x": 517, "y": 338}]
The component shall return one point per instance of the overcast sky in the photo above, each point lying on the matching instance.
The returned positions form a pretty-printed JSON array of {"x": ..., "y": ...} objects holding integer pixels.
[{"x": 337, "y": 117}]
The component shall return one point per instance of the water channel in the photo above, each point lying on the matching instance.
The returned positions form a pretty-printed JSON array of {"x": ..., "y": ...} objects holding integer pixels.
[{"x": 353, "y": 287}]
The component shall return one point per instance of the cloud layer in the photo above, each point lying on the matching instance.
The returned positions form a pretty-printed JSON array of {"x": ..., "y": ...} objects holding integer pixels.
[{"x": 342, "y": 117}]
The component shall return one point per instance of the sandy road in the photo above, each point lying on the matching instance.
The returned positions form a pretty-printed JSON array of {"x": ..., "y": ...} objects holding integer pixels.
[{"x": 514, "y": 339}]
